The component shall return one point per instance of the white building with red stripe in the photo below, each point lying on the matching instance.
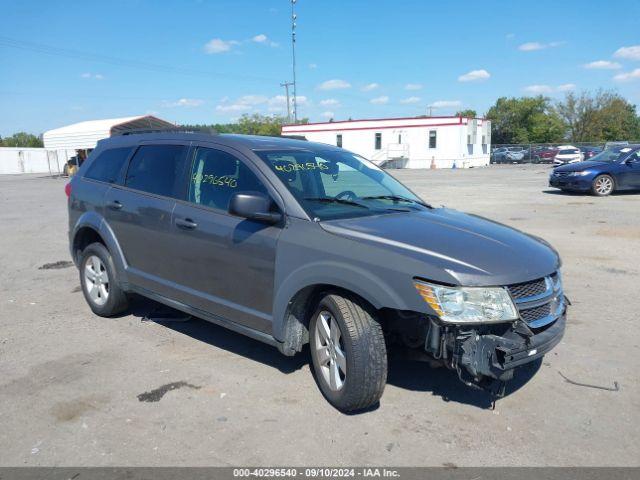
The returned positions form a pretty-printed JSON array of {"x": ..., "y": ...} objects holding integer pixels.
[{"x": 443, "y": 142}]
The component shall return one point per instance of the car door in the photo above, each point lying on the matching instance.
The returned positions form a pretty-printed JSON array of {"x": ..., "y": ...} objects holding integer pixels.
[
  {"x": 630, "y": 172},
  {"x": 139, "y": 211},
  {"x": 226, "y": 264}
]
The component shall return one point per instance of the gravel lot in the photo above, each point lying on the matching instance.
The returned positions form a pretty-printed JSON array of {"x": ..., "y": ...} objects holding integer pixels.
[{"x": 70, "y": 381}]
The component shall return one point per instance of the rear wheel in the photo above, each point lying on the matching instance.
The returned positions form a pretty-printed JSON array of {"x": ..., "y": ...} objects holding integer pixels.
[
  {"x": 99, "y": 282},
  {"x": 602, "y": 185},
  {"x": 348, "y": 353}
]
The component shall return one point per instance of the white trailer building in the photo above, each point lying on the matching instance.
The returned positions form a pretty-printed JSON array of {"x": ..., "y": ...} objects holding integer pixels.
[{"x": 426, "y": 142}]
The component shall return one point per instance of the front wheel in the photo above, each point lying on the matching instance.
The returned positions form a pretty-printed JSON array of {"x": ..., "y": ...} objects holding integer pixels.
[
  {"x": 348, "y": 353},
  {"x": 602, "y": 185}
]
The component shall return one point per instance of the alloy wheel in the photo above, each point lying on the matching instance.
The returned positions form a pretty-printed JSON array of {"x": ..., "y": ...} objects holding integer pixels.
[
  {"x": 96, "y": 280},
  {"x": 329, "y": 351},
  {"x": 604, "y": 185}
]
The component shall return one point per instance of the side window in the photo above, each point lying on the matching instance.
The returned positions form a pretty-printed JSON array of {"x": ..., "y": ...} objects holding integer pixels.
[
  {"x": 157, "y": 169},
  {"x": 216, "y": 175},
  {"x": 339, "y": 140},
  {"x": 378, "y": 144},
  {"x": 432, "y": 138},
  {"x": 107, "y": 167}
]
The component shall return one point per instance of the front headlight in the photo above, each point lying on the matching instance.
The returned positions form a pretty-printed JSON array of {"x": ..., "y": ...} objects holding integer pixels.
[
  {"x": 579, "y": 174},
  {"x": 468, "y": 304}
]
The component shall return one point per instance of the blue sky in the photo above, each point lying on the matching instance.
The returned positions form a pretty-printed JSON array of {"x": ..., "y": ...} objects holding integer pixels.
[{"x": 212, "y": 60}]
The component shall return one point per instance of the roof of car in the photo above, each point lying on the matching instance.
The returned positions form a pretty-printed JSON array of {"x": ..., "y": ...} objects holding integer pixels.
[{"x": 252, "y": 142}]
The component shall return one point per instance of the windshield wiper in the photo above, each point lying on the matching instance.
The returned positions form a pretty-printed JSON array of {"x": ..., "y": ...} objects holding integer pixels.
[
  {"x": 336, "y": 200},
  {"x": 396, "y": 198}
]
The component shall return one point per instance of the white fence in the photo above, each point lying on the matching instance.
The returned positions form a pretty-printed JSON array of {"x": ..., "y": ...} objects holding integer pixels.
[{"x": 15, "y": 160}]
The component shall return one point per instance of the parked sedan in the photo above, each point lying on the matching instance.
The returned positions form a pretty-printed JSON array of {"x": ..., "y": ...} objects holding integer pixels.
[
  {"x": 544, "y": 154},
  {"x": 568, "y": 154},
  {"x": 589, "y": 152},
  {"x": 614, "y": 169}
]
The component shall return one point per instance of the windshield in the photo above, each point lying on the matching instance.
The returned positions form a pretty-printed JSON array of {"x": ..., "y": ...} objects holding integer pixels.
[
  {"x": 612, "y": 154},
  {"x": 338, "y": 184},
  {"x": 568, "y": 152}
]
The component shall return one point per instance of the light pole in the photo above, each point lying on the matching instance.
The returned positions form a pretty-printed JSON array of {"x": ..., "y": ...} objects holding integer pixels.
[
  {"x": 286, "y": 86},
  {"x": 293, "y": 54}
]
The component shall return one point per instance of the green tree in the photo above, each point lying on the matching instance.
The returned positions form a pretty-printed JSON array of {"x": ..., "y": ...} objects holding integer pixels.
[
  {"x": 468, "y": 113},
  {"x": 22, "y": 139},
  {"x": 603, "y": 115},
  {"x": 525, "y": 120},
  {"x": 255, "y": 124}
]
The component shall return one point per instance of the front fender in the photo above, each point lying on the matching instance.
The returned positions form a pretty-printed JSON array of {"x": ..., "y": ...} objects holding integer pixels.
[{"x": 362, "y": 282}]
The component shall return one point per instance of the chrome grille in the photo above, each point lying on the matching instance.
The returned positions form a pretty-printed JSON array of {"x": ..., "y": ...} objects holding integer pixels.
[
  {"x": 528, "y": 289},
  {"x": 539, "y": 302}
]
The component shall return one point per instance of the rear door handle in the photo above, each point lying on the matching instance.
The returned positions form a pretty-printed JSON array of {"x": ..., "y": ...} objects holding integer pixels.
[
  {"x": 115, "y": 205},
  {"x": 186, "y": 223}
]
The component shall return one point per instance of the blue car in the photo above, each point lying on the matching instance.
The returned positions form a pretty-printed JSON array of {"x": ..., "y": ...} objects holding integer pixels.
[{"x": 614, "y": 169}]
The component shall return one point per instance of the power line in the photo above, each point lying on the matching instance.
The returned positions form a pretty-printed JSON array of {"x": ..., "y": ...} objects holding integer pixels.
[{"x": 121, "y": 62}]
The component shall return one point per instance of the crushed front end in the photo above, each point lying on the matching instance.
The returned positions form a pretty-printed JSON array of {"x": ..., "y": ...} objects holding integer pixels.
[{"x": 485, "y": 354}]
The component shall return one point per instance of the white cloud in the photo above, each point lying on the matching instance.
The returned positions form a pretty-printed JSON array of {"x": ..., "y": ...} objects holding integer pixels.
[
  {"x": 327, "y": 114},
  {"x": 446, "y": 104},
  {"x": 538, "y": 89},
  {"x": 546, "y": 89},
  {"x": 313, "y": 66},
  {"x": 413, "y": 86},
  {"x": 335, "y": 84},
  {"x": 217, "y": 45},
  {"x": 263, "y": 39},
  {"x": 184, "y": 102},
  {"x": 379, "y": 100},
  {"x": 532, "y": 46},
  {"x": 474, "y": 76},
  {"x": 256, "y": 103},
  {"x": 93, "y": 76},
  {"x": 628, "y": 76},
  {"x": 330, "y": 102},
  {"x": 630, "y": 53},
  {"x": 410, "y": 100},
  {"x": 370, "y": 86},
  {"x": 233, "y": 107},
  {"x": 602, "y": 65}
]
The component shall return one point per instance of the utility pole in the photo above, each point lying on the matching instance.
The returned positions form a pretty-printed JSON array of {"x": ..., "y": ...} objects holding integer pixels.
[
  {"x": 293, "y": 54},
  {"x": 286, "y": 86},
  {"x": 430, "y": 111}
]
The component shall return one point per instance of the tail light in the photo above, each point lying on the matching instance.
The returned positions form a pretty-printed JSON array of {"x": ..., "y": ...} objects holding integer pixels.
[{"x": 67, "y": 189}]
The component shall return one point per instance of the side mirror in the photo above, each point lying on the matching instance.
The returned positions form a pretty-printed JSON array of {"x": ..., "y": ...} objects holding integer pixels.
[{"x": 254, "y": 206}]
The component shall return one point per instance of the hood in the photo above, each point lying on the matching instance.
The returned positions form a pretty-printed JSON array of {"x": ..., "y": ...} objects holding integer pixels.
[
  {"x": 578, "y": 167},
  {"x": 452, "y": 245}
]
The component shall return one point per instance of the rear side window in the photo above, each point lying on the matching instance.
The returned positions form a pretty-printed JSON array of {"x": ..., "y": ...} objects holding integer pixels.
[
  {"x": 107, "y": 166},
  {"x": 157, "y": 169},
  {"x": 217, "y": 175}
]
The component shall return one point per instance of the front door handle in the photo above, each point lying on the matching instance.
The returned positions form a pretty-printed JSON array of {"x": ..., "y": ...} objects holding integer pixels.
[
  {"x": 115, "y": 205},
  {"x": 186, "y": 223}
]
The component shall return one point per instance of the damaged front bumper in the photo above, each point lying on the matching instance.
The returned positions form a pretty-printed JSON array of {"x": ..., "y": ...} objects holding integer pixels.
[{"x": 484, "y": 355}]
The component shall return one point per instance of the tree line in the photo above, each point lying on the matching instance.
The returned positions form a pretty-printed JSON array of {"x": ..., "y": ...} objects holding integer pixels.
[{"x": 579, "y": 117}]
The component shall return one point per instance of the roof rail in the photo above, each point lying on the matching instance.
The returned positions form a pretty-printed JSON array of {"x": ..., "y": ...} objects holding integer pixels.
[{"x": 140, "y": 131}]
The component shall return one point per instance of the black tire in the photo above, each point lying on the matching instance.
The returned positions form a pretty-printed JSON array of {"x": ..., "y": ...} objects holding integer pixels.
[
  {"x": 362, "y": 343},
  {"x": 598, "y": 185},
  {"x": 116, "y": 299}
]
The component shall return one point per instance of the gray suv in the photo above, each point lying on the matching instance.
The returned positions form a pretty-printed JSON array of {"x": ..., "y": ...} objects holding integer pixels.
[{"x": 292, "y": 242}]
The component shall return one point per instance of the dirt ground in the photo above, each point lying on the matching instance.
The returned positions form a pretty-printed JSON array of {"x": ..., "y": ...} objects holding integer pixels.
[{"x": 76, "y": 389}]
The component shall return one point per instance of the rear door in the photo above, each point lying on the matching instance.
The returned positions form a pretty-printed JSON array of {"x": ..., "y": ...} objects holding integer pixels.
[
  {"x": 226, "y": 263},
  {"x": 139, "y": 211}
]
